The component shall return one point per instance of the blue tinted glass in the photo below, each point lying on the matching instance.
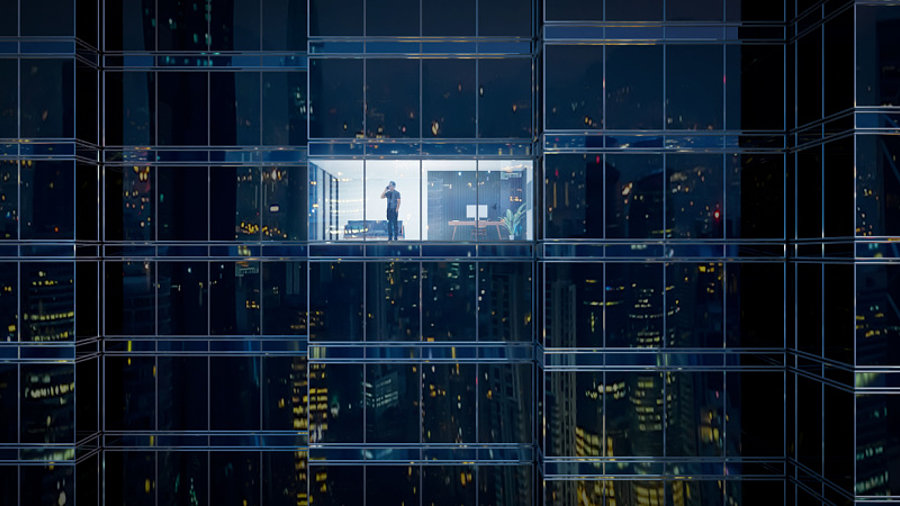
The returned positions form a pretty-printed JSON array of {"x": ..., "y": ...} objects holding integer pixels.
[
  {"x": 392, "y": 301},
  {"x": 35, "y": 383},
  {"x": 284, "y": 108},
  {"x": 504, "y": 97},
  {"x": 234, "y": 394},
  {"x": 694, "y": 198},
  {"x": 574, "y": 10},
  {"x": 339, "y": 389},
  {"x": 47, "y": 206},
  {"x": 448, "y": 301},
  {"x": 505, "y": 400},
  {"x": 336, "y": 310},
  {"x": 574, "y": 82},
  {"x": 877, "y": 186},
  {"x": 574, "y": 325},
  {"x": 505, "y": 301},
  {"x": 9, "y": 98},
  {"x": 130, "y": 108},
  {"x": 448, "y": 98},
  {"x": 48, "y": 304},
  {"x": 634, "y": 10},
  {"x": 235, "y": 25},
  {"x": 327, "y": 17},
  {"x": 130, "y": 391},
  {"x": 392, "y": 98},
  {"x": 392, "y": 403},
  {"x": 695, "y": 300},
  {"x": 183, "y": 108},
  {"x": 131, "y": 298},
  {"x": 574, "y": 196},
  {"x": 505, "y": 17},
  {"x": 336, "y": 95},
  {"x": 634, "y": 305},
  {"x": 181, "y": 203},
  {"x": 237, "y": 474},
  {"x": 634, "y": 92},
  {"x": 46, "y": 98},
  {"x": 392, "y": 17},
  {"x": 182, "y": 28},
  {"x": 283, "y": 377},
  {"x": 182, "y": 298},
  {"x": 694, "y": 87},
  {"x": 284, "y": 298},
  {"x": 634, "y": 195},
  {"x": 443, "y": 18},
  {"x": 634, "y": 421},
  {"x": 234, "y": 297},
  {"x": 235, "y": 119}
]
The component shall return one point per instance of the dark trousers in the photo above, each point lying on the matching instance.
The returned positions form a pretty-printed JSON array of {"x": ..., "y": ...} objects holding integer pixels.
[{"x": 392, "y": 224}]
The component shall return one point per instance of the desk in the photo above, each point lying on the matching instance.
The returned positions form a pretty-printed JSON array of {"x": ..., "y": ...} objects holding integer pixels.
[{"x": 471, "y": 223}]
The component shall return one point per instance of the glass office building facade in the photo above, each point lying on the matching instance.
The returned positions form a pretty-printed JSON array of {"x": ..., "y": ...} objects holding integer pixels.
[{"x": 646, "y": 252}]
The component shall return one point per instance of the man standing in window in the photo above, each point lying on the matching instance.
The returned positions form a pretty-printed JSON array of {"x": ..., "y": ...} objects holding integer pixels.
[{"x": 393, "y": 207}]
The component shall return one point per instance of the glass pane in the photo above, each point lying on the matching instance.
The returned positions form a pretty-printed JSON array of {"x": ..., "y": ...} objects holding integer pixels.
[
  {"x": 877, "y": 185},
  {"x": 284, "y": 206},
  {"x": 448, "y": 98},
  {"x": 755, "y": 87},
  {"x": 448, "y": 398},
  {"x": 449, "y": 208},
  {"x": 183, "y": 477},
  {"x": 33, "y": 488},
  {"x": 130, "y": 108},
  {"x": 755, "y": 195},
  {"x": 634, "y": 417},
  {"x": 336, "y": 197},
  {"x": 45, "y": 404},
  {"x": 338, "y": 413},
  {"x": 574, "y": 10},
  {"x": 750, "y": 10},
  {"x": 283, "y": 392},
  {"x": 181, "y": 28},
  {"x": 505, "y": 486},
  {"x": 574, "y": 81},
  {"x": 336, "y": 96},
  {"x": 48, "y": 301},
  {"x": 572, "y": 210},
  {"x": 46, "y": 98},
  {"x": 284, "y": 298},
  {"x": 235, "y": 26},
  {"x": 634, "y": 10},
  {"x": 129, "y": 393},
  {"x": 130, "y": 296},
  {"x": 234, "y": 298},
  {"x": 634, "y": 305},
  {"x": 48, "y": 200},
  {"x": 35, "y": 20},
  {"x": 694, "y": 197},
  {"x": 573, "y": 312},
  {"x": 877, "y": 51},
  {"x": 336, "y": 485},
  {"x": 634, "y": 197},
  {"x": 283, "y": 25},
  {"x": 448, "y": 301},
  {"x": 9, "y": 19},
  {"x": 876, "y": 442},
  {"x": 634, "y": 92},
  {"x": 234, "y": 119},
  {"x": 183, "y": 384},
  {"x": 392, "y": 485},
  {"x": 839, "y": 62},
  {"x": 392, "y": 17},
  {"x": 877, "y": 315},
  {"x": 183, "y": 108},
  {"x": 505, "y": 405},
  {"x": 234, "y": 203},
  {"x": 505, "y": 188},
  {"x": 694, "y": 80},
  {"x": 443, "y": 18},
  {"x": 9, "y": 97},
  {"x": 9, "y": 302},
  {"x": 392, "y": 301},
  {"x": 284, "y": 477},
  {"x": 694, "y": 10},
  {"x": 392, "y": 98},
  {"x": 392, "y": 200},
  {"x": 129, "y": 26},
  {"x": 234, "y": 393},
  {"x": 336, "y": 301},
  {"x": 234, "y": 475},
  {"x": 126, "y": 475},
  {"x": 755, "y": 313},
  {"x": 182, "y": 203},
  {"x": 575, "y": 411},
  {"x": 505, "y": 301},
  {"x": 327, "y": 17},
  {"x": 182, "y": 298},
  {"x": 392, "y": 403},
  {"x": 809, "y": 77},
  {"x": 129, "y": 203},
  {"x": 504, "y": 94},
  {"x": 448, "y": 485},
  {"x": 695, "y": 300},
  {"x": 696, "y": 421},
  {"x": 284, "y": 108},
  {"x": 505, "y": 17},
  {"x": 751, "y": 413},
  {"x": 9, "y": 402}
]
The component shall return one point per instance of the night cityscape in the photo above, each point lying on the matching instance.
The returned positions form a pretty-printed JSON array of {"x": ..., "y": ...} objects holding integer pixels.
[{"x": 449, "y": 253}]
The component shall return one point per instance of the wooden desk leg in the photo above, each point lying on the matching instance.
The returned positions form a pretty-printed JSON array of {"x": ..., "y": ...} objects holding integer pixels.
[
  {"x": 453, "y": 235},
  {"x": 499, "y": 236}
]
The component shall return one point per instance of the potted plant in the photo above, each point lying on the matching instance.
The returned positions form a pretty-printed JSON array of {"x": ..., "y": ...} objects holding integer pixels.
[{"x": 513, "y": 221}]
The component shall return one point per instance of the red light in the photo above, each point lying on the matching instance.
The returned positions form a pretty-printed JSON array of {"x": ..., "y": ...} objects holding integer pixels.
[{"x": 717, "y": 214}]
